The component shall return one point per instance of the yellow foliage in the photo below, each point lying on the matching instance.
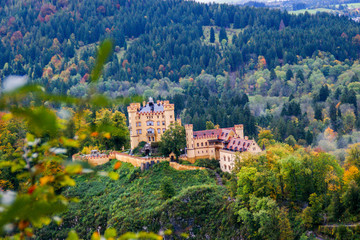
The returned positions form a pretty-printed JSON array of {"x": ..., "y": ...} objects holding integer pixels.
[
  {"x": 46, "y": 179},
  {"x": 351, "y": 174}
]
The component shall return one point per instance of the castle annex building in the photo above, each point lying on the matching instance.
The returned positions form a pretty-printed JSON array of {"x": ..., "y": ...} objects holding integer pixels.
[
  {"x": 220, "y": 144},
  {"x": 148, "y": 122}
]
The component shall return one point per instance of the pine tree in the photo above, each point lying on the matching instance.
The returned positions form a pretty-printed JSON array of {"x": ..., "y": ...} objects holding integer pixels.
[
  {"x": 289, "y": 74},
  {"x": 237, "y": 21},
  {"x": 273, "y": 75},
  {"x": 318, "y": 113},
  {"x": 300, "y": 75},
  {"x": 222, "y": 34},
  {"x": 212, "y": 35}
]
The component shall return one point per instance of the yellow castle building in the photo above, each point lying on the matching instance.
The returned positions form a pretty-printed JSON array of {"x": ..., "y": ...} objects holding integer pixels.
[
  {"x": 148, "y": 122},
  {"x": 221, "y": 144}
]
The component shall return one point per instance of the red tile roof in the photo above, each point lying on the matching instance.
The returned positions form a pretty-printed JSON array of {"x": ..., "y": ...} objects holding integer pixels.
[
  {"x": 239, "y": 144},
  {"x": 220, "y": 133}
]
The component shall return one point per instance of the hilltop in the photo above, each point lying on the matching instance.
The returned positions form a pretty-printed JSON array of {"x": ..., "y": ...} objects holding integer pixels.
[{"x": 135, "y": 202}]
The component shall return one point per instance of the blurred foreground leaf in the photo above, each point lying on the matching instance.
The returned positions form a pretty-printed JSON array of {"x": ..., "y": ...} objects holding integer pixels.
[{"x": 103, "y": 54}]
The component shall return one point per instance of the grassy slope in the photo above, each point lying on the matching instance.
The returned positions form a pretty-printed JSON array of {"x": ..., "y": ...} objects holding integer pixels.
[
  {"x": 313, "y": 11},
  {"x": 229, "y": 31},
  {"x": 134, "y": 203}
]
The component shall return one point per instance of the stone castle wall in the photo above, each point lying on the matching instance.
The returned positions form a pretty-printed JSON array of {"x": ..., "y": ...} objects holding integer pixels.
[
  {"x": 143, "y": 163},
  {"x": 96, "y": 161},
  {"x": 181, "y": 167},
  {"x": 137, "y": 161}
]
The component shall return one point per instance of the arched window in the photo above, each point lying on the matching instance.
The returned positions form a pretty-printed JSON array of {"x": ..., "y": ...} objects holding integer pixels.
[
  {"x": 149, "y": 123},
  {"x": 150, "y": 130}
]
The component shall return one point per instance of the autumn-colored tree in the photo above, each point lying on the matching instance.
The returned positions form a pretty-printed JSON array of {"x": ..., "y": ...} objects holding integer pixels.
[
  {"x": 210, "y": 125},
  {"x": 353, "y": 158},
  {"x": 285, "y": 227},
  {"x": 265, "y": 138}
]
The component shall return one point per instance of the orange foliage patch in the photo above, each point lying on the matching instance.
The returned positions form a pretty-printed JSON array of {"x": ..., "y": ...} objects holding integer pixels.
[
  {"x": 117, "y": 165},
  {"x": 330, "y": 134},
  {"x": 94, "y": 134}
]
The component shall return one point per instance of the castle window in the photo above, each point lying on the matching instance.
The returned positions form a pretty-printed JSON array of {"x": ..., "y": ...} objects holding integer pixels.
[
  {"x": 149, "y": 139},
  {"x": 149, "y": 123},
  {"x": 205, "y": 143},
  {"x": 197, "y": 144},
  {"x": 139, "y": 124},
  {"x": 158, "y": 116},
  {"x": 158, "y": 122},
  {"x": 163, "y": 123},
  {"x": 151, "y": 130},
  {"x": 153, "y": 138},
  {"x": 139, "y": 131},
  {"x": 163, "y": 130},
  {"x": 159, "y": 131},
  {"x": 225, "y": 167},
  {"x": 202, "y": 144}
]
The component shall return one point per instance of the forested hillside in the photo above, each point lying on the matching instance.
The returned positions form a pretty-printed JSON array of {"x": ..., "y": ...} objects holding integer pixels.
[
  {"x": 51, "y": 41},
  {"x": 207, "y": 55}
]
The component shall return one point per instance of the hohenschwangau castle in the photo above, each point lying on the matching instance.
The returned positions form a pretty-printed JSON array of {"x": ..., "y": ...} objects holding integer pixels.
[{"x": 149, "y": 121}]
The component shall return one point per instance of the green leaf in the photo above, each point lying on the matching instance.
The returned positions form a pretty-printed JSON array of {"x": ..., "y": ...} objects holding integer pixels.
[
  {"x": 99, "y": 101},
  {"x": 67, "y": 181},
  {"x": 72, "y": 235},
  {"x": 30, "y": 137},
  {"x": 114, "y": 175},
  {"x": 73, "y": 169},
  {"x": 67, "y": 142},
  {"x": 110, "y": 233},
  {"x": 103, "y": 54},
  {"x": 41, "y": 120}
]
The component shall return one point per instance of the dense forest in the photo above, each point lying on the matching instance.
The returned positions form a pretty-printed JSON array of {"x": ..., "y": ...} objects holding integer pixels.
[
  {"x": 52, "y": 41},
  {"x": 292, "y": 80},
  {"x": 162, "y": 46}
]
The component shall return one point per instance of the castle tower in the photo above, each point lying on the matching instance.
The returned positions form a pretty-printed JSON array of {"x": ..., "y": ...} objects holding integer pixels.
[
  {"x": 190, "y": 141},
  {"x": 147, "y": 122},
  {"x": 132, "y": 111},
  {"x": 239, "y": 130}
]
